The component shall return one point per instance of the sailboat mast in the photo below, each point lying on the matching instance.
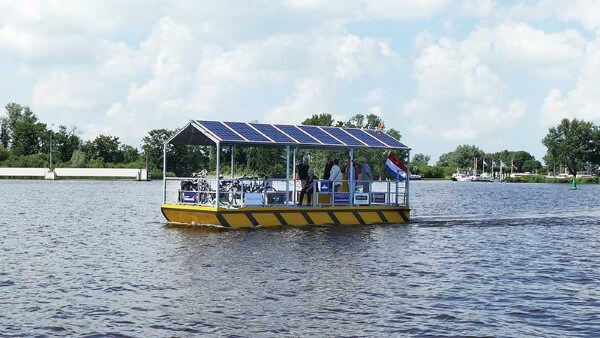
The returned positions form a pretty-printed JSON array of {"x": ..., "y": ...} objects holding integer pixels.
[{"x": 512, "y": 165}]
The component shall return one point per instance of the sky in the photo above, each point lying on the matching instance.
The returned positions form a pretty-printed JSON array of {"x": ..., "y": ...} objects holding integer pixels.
[{"x": 496, "y": 74}]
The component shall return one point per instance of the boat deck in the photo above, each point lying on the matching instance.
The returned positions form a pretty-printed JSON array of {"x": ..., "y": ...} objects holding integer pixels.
[{"x": 274, "y": 216}]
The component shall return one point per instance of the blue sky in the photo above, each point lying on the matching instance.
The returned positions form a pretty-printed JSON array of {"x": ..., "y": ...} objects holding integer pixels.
[{"x": 492, "y": 73}]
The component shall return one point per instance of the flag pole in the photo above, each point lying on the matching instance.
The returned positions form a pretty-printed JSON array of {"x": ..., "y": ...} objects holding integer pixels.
[{"x": 512, "y": 165}]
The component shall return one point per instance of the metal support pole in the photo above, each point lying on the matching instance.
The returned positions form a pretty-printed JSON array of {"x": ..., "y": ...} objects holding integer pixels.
[
  {"x": 165, "y": 173},
  {"x": 51, "y": 168},
  {"x": 407, "y": 182},
  {"x": 294, "y": 175},
  {"x": 287, "y": 175},
  {"x": 351, "y": 178},
  {"x": 314, "y": 192},
  {"x": 218, "y": 169},
  {"x": 389, "y": 193},
  {"x": 232, "y": 152},
  {"x": 397, "y": 202}
]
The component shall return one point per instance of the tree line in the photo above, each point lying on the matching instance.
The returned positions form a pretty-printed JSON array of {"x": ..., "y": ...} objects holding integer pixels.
[
  {"x": 573, "y": 145},
  {"x": 462, "y": 158},
  {"x": 25, "y": 141}
]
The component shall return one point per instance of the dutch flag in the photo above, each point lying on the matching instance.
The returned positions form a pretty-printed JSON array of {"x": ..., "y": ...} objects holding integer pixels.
[{"x": 394, "y": 168}]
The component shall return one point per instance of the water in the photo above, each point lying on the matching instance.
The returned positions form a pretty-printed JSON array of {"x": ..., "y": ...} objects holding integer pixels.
[{"x": 95, "y": 258}]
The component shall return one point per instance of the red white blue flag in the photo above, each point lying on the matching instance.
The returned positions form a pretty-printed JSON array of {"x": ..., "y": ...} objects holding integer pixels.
[{"x": 394, "y": 168}]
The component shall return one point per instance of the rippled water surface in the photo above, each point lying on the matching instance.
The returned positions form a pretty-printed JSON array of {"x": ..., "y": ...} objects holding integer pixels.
[{"x": 96, "y": 258}]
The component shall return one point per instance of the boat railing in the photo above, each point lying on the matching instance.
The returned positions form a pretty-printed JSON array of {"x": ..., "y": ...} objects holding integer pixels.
[{"x": 263, "y": 192}]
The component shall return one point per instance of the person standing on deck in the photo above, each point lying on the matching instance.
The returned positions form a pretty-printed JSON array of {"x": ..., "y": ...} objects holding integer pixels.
[
  {"x": 308, "y": 187},
  {"x": 365, "y": 174},
  {"x": 327, "y": 170},
  {"x": 336, "y": 175},
  {"x": 347, "y": 171},
  {"x": 302, "y": 172}
]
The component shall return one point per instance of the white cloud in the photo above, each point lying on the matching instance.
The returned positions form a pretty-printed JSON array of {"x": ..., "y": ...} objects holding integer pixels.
[
  {"x": 354, "y": 56},
  {"x": 459, "y": 96},
  {"x": 65, "y": 89},
  {"x": 582, "y": 101},
  {"x": 310, "y": 97},
  {"x": 586, "y": 12},
  {"x": 518, "y": 45},
  {"x": 373, "y": 9},
  {"x": 112, "y": 65},
  {"x": 376, "y": 99},
  {"x": 462, "y": 95}
]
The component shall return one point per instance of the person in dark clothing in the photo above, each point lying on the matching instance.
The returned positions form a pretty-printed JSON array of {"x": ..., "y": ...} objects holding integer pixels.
[
  {"x": 327, "y": 170},
  {"x": 328, "y": 165},
  {"x": 302, "y": 173},
  {"x": 302, "y": 169},
  {"x": 308, "y": 187}
]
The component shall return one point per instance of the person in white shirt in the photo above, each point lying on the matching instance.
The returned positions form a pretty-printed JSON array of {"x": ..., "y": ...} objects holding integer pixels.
[{"x": 335, "y": 175}]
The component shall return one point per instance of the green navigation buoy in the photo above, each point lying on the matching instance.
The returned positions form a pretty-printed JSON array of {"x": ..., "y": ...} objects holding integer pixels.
[{"x": 574, "y": 184}]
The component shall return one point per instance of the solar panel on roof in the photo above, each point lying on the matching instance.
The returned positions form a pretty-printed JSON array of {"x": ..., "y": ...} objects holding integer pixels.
[
  {"x": 247, "y": 131},
  {"x": 341, "y": 135},
  {"x": 222, "y": 132},
  {"x": 272, "y": 133},
  {"x": 387, "y": 139},
  {"x": 280, "y": 134},
  {"x": 297, "y": 134},
  {"x": 320, "y": 135},
  {"x": 366, "y": 138}
]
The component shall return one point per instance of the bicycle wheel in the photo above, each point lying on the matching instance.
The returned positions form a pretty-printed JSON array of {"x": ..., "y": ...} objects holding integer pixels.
[{"x": 233, "y": 195}]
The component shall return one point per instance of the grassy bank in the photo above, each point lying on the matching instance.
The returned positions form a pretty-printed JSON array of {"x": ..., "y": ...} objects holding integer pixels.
[{"x": 545, "y": 179}]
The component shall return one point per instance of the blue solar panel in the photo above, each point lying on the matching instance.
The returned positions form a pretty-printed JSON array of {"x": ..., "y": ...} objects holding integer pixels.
[
  {"x": 281, "y": 134},
  {"x": 320, "y": 135},
  {"x": 343, "y": 136},
  {"x": 387, "y": 139},
  {"x": 366, "y": 138},
  {"x": 247, "y": 131},
  {"x": 296, "y": 134},
  {"x": 221, "y": 131},
  {"x": 272, "y": 132}
]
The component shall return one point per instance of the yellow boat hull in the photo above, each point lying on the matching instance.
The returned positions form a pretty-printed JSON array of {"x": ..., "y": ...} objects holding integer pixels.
[{"x": 248, "y": 217}]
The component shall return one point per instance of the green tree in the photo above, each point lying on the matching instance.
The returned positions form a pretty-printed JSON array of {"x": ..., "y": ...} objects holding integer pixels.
[
  {"x": 531, "y": 165},
  {"x": 420, "y": 160},
  {"x": 183, "y": 160},
  {"x": 4, "y": 133},
  {"x": 373, "y": 121},
  {"x": 107, "y": 148},
  {"x": 357, "y": 121},
  {"x": 130, "y": 154},
  {"x": 394, "y": 133},
  {"x": 65, "y": 142},
  {"x": 78, "y": 159},
  {"x": 574, "y": 143},
  {"x": 152, "y": 146},
  {"x": 4, "y": 154},
  {"x": 26, "y": 133},
  {"x": 323, "y": 119},
  {"x": 524, "y": 161},
  {"x": 462, "y": 156}
]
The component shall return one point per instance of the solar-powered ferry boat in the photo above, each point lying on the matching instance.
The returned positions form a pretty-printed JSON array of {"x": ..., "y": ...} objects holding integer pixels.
[{"x": 245, "y": 202}]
